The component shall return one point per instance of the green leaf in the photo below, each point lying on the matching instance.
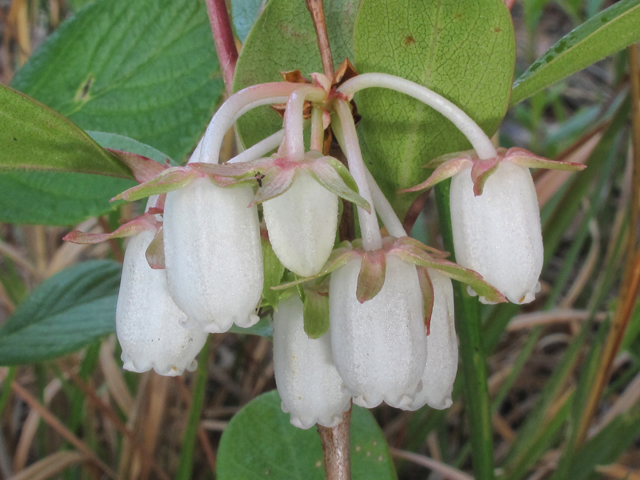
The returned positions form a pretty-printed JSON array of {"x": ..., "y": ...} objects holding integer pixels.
[
  {"x": 284, "y": 39},
  {"x": 60, "y": 198},
  {"x": 126, "y": 144},
  {"x": 263, "y": 328},
  {"x": 145, "y": 69},
  {"x": 273, "y": 272},
  {"x": 245, "y": 13},
  {"x": 66, "y": 312},
  {"x": 35, "y": 137},
  {"x": 260, "y": 442},
  {"x": 464, "y": 51},
  {"x": 611, "y": 30},
  {"x": 315, "y": 313}
]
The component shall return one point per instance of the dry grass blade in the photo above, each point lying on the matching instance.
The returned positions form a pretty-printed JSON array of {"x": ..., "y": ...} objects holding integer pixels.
[
  {"x": 618, "y": 471},
  {"x": 30, "y": 427},
  {"x": 63, "y": 431},
  {"x": 550, "y": 317},
  {"x": 443, "y": 469},
  {"x": 17, "y": 256},
  {"x": 145, "y": 448},
  {"x": 113, "y": 374},
  {"x": 129, "y": 467},
  {"x": 628, "y": 399},
  {"x": 50, "y": 466},
  {"x": 69, "y": 253}
]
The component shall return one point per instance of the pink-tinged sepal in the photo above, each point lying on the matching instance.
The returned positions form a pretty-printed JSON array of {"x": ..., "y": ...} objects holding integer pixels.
[
  {"x": 410, "y": 253},
  {"x": 445, "y": 170},
  {"x": 524, "y": 158},
  {"x": 371, "y": 276},
  {"x": 398, "y": 242},
  {"x": 426, "y": 286},
  {"x": 275, "y": 182},
  {"x": 155, "y": 251},
  {"x": 334, "y": 176},
  {"x": 143, "y": 168},
  {"x": 167, "y": 181},
  {"x": 481, "y": 171},
  {"x": 230, "y": 174},
  {"x": 146, "y": 221}
]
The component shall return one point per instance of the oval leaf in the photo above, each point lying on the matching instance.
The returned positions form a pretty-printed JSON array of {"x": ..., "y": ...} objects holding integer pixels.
[
  {"x": 261, "y": 443},
  {"x": 66, "y": 312},
  {"x": 464, "y": 51},
  {"x": 35, "y": 137},
  {"x": 611, "y": 30}
]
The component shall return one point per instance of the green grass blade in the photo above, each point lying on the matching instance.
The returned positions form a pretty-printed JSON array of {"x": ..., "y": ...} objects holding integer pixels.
[{"x": 185, "y": 467}]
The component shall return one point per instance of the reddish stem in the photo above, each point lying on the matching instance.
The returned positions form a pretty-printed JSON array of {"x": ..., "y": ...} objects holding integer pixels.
[{"x": 224, "y": 41}]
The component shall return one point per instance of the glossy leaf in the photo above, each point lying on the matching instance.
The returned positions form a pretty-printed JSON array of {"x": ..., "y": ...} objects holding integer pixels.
[
  {"x": 34, "y": 137},
  {"x": 66, "y": 312},
  {"x": 284, "y": 39},
  {"x": 464, "y": 51},
  {"x": 611, "y": 30},
  {"x": 261, "y": 443}
]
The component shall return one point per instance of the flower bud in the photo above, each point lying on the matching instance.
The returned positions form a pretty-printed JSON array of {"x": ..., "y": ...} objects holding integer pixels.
[
  {"x": 498, "y": 233},
  {"x": 213, "y": 254},
  {"x": 442, "y": 347},
  {"x": 148, "y": 320},
  {"x": 302, "y": 225},
  {"x": 379, "y": 346},
  {"x": 308, "y": 382}
]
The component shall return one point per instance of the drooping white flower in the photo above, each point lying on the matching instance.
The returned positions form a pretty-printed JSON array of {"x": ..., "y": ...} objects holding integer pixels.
[
  {"x": 498, "y": 233},
  {"x": 213, "y": 254},
  {"x": 147, "y": 319},
  {"x": 379, "y": 346},
  {"x": 302, "y": 225},
  {"x": 309, "y": 385},
  {"x": 442, "y": 347}
]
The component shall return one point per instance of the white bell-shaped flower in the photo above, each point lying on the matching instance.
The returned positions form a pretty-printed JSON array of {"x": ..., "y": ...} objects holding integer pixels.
[
  {"x": 309, "y": 385},
  {"x": 148, "y": 320},
  {"x": 302, "y": 225},
  {"x": 442, "y": 347},
  {"x": 498, "y": 233},
  {"x": 379, "y": 346},
  {"x": 213, "y": 254}
]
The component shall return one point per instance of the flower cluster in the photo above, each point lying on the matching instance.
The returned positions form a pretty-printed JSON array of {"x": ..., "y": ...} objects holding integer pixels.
[{"x": 370, "y": 321}]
